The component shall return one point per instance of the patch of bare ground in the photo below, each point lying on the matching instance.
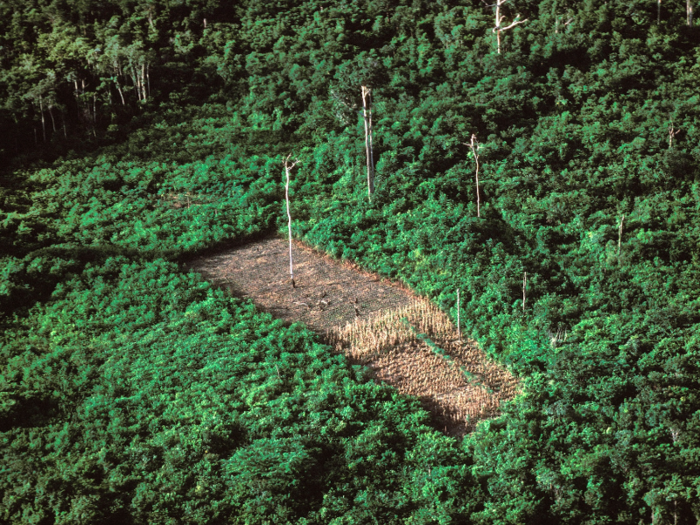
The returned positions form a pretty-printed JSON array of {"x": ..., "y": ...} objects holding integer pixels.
[{"x": 404, "y": 339}]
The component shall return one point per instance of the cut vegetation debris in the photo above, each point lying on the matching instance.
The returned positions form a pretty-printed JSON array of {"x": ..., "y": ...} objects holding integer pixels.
[{"x": 416, "y": 348}]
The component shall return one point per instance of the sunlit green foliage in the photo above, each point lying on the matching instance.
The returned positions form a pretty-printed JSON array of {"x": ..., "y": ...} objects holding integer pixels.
[{"x": 140, "y": 393}]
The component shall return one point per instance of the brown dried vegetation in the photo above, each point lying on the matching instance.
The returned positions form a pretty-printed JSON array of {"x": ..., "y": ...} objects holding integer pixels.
[{"x": 416, "y": 348}]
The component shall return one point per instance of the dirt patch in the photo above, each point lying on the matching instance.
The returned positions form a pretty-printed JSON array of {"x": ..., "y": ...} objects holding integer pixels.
[
  {"x": 405, "y": 339},
  {"x": 327, "y": 291}
]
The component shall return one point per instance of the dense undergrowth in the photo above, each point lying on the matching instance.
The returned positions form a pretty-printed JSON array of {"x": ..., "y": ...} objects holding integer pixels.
[
  {"x": 134, "y": 393},
  {"x": 142, "y": 395}
]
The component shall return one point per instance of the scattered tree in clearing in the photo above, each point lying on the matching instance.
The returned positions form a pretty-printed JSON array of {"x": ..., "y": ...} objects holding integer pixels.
[{"x": 287, "y": 169}]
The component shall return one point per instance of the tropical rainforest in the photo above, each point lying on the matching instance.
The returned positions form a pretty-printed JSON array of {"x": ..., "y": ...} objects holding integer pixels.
[{"x": 137, "y": 133}]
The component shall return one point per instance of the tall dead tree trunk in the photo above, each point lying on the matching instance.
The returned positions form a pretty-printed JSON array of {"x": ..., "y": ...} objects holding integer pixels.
[
  {"x": 53, "y": 121},
  {"x": 43, "y": 121},
  {"x": 474, "y": 146},
  {"x": 689, "y": 12},
  {"x": 287, "y": 169},
  {"x": 497, "y": 28},
  {"x": 672, "y": 132},
  {"x": 499, "y": 20},
  {"x": 119, "y": 88},
  {"x": 135, "y": 80},
  {"x": 143, "y": 81},
  {"x": 658, "y": 12},
  {"x": 459, "y": 327},
  {"x": 367, "y": 113}
]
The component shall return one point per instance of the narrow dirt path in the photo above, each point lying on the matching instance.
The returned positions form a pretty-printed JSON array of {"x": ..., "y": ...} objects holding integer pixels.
[{"x": 406, "y": 340}]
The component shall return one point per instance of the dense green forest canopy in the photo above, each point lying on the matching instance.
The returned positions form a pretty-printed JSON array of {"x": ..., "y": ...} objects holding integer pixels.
[{"x": 134, "y": 134}]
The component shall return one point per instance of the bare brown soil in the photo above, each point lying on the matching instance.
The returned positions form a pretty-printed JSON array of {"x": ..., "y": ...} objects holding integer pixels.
[{"x": 403, "y": 338}]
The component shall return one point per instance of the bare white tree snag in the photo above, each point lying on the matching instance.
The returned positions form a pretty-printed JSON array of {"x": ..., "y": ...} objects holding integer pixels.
[
  {"x": 658, "y": 12},
  {"x": 121, "y": 94},
  {"x": 499, "y": 20},
  {"x": 53, "y": 121},
  {"x": 135, "y": 81},
  {"x": 524, "y": 289},
  {"x": 143, "y": 81},
  {"x": 672, "y": 132},
  {"x": 287, "y": 169},
  {"x": 619, "y": 236},
  {"x": 459, "y": 329},
  {"x": 367, "y": 113},
  {"x": 43, "y": 121},
  {"x": 474, "y": 146},
  {"x": 689, "y": 12}
]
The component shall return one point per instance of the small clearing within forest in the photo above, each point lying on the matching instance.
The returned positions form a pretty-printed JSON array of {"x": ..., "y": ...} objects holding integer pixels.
[{"x": 403, "y": 338}]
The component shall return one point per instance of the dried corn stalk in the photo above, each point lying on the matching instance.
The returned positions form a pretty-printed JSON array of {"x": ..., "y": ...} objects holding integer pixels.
[{"x": 418, "y": 350}]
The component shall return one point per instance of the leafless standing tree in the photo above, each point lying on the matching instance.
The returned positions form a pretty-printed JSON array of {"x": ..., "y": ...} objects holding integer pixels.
[
  {"x": 459, "y": 328},
  {"x": 367, "y": 112},
  {"x": 43, "y": 121},
  {"x": 672, "y": 132},
  {"x": 689, "y": 12},
  {"x": 287, "y": 169},
  {"x": 474, "y": 146},
  {"x": 53, "y": 121},
  {"x": 499, "y": 19},
  {"x": 143, "y": 81}
]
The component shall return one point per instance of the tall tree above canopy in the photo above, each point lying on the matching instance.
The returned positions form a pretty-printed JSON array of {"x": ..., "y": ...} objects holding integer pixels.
[
  {"x": 500, "y": 17},
  {"x": 361, "y": 76}
]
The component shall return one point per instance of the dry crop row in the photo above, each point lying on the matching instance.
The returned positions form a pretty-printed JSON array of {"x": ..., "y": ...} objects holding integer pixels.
[{"x": 417, "y": 349}]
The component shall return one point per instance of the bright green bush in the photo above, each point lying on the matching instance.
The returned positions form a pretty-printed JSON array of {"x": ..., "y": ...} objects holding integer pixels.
[{"x": 140, "y": 393}]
